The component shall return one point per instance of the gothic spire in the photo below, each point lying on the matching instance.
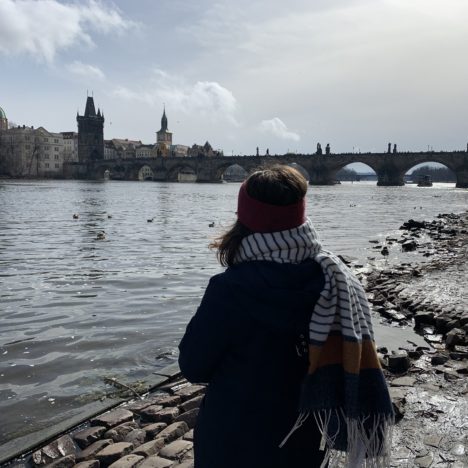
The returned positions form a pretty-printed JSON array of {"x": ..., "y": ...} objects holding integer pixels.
[{"x": 164, "y": 120}]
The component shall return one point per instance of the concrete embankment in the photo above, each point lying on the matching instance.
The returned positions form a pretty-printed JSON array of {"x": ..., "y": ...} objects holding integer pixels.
[{"x": 428, "y": 384}]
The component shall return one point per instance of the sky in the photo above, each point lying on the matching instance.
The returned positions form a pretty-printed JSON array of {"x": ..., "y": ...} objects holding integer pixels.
[{"x": 282, "y": 75}]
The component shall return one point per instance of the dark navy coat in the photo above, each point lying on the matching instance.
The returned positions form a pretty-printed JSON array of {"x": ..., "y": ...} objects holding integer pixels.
[{"x": 246, "y": 341}]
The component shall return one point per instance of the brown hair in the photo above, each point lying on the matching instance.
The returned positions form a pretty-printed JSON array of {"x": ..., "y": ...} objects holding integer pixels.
[{"x": 277, "y": 185}]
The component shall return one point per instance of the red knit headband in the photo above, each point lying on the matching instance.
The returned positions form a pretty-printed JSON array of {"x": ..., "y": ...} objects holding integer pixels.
[{"x": 263, "y": 217}]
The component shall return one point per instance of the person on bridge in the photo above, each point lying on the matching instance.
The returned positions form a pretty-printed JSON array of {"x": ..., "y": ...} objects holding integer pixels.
[{"x": 283, "y": 338}]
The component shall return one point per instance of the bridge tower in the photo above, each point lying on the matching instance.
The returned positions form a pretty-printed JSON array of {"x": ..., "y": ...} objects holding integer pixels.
[
  {"x": 90, "y": 133},
  {"x": 163, "y": 137}
]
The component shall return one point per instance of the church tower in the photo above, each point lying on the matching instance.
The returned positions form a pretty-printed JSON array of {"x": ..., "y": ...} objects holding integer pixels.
[
  {"x": 163, "y": 137},
  {"x": 90, "y": 133}
]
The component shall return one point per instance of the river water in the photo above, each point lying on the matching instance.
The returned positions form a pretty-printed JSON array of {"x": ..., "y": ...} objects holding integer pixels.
[{"x": 75, "y": 308}]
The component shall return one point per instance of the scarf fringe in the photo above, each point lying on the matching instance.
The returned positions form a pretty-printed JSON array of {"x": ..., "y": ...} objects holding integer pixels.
[
  {"x": 368, "y": 446},
  {"x": 368, "y": 442}
]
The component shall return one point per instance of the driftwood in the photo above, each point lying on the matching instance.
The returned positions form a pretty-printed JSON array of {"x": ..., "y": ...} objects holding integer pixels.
[{"x": 113, "y": 381}]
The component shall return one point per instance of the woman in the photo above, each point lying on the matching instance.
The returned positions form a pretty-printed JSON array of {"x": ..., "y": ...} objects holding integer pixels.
[{"x": 283, "y": 339}]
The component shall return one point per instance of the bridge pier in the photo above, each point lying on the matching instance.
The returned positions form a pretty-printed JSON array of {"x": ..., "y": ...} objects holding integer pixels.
[
  {"x": 462, "y": 179},
  {"x": 321, "y": 176},
  {"x": 390, "y": 176}
]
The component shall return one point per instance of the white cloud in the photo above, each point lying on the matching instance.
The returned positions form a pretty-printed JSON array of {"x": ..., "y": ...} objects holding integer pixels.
[
  {"x": 43, "y": 28},
  {"x": 206, "y": 98},
  {"x": 85, "y": 70},
  {"x": 278, "y": 128}
]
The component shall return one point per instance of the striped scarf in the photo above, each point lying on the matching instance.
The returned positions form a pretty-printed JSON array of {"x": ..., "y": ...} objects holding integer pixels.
[{"x": 344, "y": 388}]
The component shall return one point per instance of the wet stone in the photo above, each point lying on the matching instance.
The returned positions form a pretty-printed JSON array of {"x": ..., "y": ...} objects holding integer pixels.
[
  {"x": 174, "y": 431},
  {"x": 438, "y": 359},
  {"x": 149, "y": 413},
  {"x": 176, "y": 450},
  {"x": 128, "y": 461},
  {"x": 61, "y": 447},
  {"x": 149, "y": 448},
  {"x": 153, "y": 429},
  {"x": 458, "y": 449},
  {"x": 114, "y": 418},
  {"x": 65, "y": 462},
  {"x": 403, "y": 382},
  {"x": 90, "y": 452},
  {"x": 136, "y": 437},
  {"x": 118, "y": 433},
  {"x": 191, "y": 391},
  {"x": 113, "y": 452},
  {"x": 455, "y": 337},
  {"x": 166, "y": 415},
  {"x": 425, "y": 461},
  {"x": 189, "y": 417},
  {"x": 433, "y": 440},
  {"x": 156, "y": 462},
  {"x": 173, "y": 400},
  {"x": 88, "y": 436},
  {"x": 398, "y": 362}
]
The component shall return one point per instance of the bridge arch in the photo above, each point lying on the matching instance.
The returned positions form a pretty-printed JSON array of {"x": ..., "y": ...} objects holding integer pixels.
[
  {"x": 411, "y": 167},
  {"x": 234, "y": 173},
  {"x": 181, "y": 173},
  {"x": 145, "y": 173}
]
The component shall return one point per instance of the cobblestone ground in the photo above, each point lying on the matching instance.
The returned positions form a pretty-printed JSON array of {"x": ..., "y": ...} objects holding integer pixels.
[{"x": 155, "y": 432}]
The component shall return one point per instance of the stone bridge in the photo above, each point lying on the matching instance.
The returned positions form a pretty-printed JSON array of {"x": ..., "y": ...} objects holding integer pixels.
[{"x": 322, "y": 169}]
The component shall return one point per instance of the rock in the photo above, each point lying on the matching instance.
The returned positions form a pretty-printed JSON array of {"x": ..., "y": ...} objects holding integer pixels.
[
  {"x": 438, "y": 359},
  {"x": 90, "y": 452},
  {"x": 156, "y": 462},
  {"x": 458, "y": 449},
  {"x": 114, "y": 418},
  {"x": 136, "y": 437},
  {"x": 441, "y": 322},
  {"x": 65, "y": 462},
  {"x": 166, "y": 415},
  {"x": 346, "y": 259},
  {"x": 189, "y": 417},
  {"x": 148, "y": 414},
  {"x": 153, "y": 429},
  {"x": 189, "y": 435},
  {"x": 113, "y": 452},
  {"x": 414, "y": 353},
  {"x": 190, "y": 392},
  {"x": 175, "y": 450},
  {"x": 150, "y": 448},
  {"x": 403, "y": 382},
  {"x": 433, "y": 440},
  {"x": 451, "y": 375},
  {"x": 173, "y": 400},
  {"x": 88, "y": 436},
  {"x": 424, "y": 318},
  {"x": 118, "y": 433},
  {"x": 191, "y": 404},
  {"x": 128, "y": 461},
  {"x": 61, "y": 447},
  {"x": 425, "y": 461},
  {"x": 455, "y": 337},
  {"x": 409, "y": 245},
  {"x": 398, "y": 362},
  {"x": 174, "y": 431}
]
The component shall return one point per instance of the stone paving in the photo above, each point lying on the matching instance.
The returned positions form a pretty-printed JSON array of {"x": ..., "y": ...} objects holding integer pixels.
[{"x": 154, "y": 432}]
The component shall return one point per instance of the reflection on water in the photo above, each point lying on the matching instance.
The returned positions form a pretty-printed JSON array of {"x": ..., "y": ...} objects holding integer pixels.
[{"x": 76, "y": 308}]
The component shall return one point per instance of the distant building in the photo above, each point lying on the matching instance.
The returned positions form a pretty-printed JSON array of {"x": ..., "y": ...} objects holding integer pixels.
[
  {"x": 3, "y": 120},
  {"x": 90, "y": 133},
  {"x": 145, "y": 151},
  {"x": 70, "y": 146},
  {"x": 163, "y": 137},
  {"x": 29, "y": 152},
  {"x": 198, "y": 151},
  {"x": 179, "y": 151}
]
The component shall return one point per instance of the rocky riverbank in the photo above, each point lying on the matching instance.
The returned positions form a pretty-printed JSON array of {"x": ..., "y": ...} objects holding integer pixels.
[{"x": 428, "y": 384}]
